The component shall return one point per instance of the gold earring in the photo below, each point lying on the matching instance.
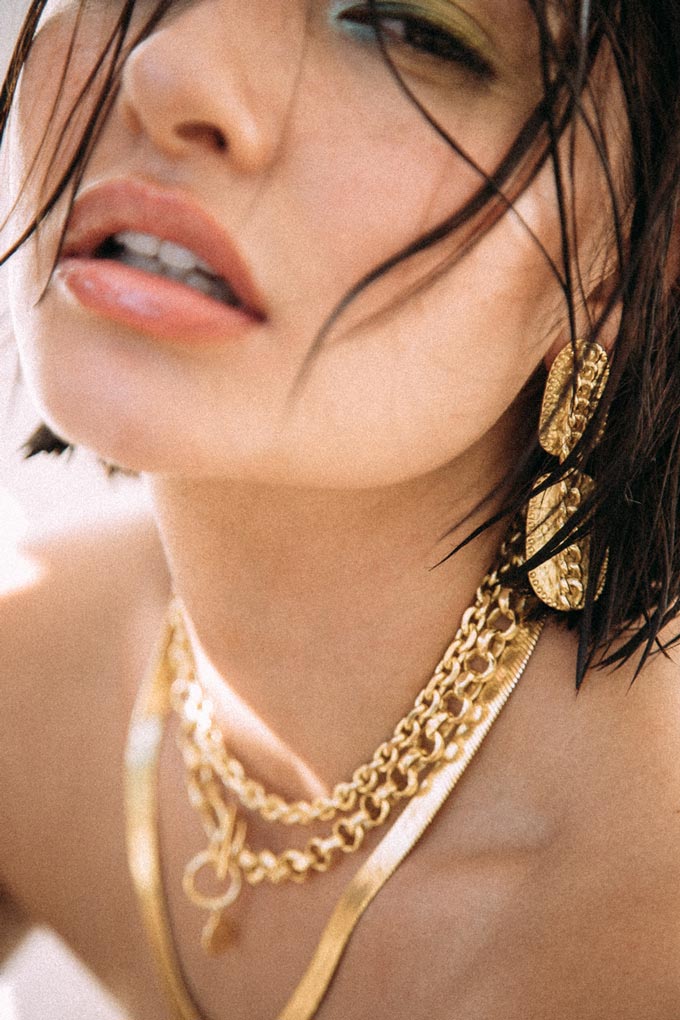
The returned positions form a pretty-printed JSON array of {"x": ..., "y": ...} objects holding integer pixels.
[{"x": 569, "y": 403}]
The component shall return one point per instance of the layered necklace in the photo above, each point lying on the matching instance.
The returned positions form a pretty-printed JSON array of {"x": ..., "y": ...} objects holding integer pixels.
[{"x": 414, "y": 769}]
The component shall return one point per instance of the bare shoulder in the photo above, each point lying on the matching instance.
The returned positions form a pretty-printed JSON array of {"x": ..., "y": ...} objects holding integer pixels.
[
  {"x": 580, "y": 797},
  {"x": 75, "y": 637},
  {"x": 80, "y": 608},
  {"x": 610, "y": 883},
  {"x": 96, "y": 573}
]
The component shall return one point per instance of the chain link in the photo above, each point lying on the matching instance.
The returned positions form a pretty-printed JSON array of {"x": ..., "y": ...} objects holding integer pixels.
[{"x": 442, "y": 712}]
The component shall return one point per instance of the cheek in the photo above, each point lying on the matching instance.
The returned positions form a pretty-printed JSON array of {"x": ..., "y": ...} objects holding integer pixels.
[
  {"x": 364, "y": 177},
  {"x": 403, "y": 396},
  {"x": 429, "y": 384},
  {"x": 48, "y": 119}
]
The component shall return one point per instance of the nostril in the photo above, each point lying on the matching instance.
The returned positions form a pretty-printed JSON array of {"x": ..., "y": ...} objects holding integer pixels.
[{"x": 204, "y": 134}]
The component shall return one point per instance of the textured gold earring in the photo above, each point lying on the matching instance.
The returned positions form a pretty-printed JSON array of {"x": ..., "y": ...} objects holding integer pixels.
[{"x": 570, "y": 400}]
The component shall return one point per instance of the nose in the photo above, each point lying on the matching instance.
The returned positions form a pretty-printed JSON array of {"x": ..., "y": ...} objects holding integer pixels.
[{"x": 192, "y": 91}]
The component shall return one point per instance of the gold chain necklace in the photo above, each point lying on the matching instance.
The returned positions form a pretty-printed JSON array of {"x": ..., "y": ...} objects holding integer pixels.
[
  {"x": 501, "y": 622},
  {"x": 441, "y": 727}
]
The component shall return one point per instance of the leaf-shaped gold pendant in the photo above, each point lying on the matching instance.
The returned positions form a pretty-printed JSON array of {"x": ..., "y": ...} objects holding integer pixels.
[
  {"x": 561, "y": 581},
  {"x": 570, "y": 398}
]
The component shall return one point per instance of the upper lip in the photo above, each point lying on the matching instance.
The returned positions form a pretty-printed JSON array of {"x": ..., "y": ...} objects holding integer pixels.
[{"x": 125, "y": 205}]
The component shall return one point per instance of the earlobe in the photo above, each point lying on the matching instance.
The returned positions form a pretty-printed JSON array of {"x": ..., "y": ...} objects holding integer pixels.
[{"x": 598, "y": 320}]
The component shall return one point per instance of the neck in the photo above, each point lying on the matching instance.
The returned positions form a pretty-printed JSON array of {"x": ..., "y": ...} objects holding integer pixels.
[{"x": 316, "y": 615}]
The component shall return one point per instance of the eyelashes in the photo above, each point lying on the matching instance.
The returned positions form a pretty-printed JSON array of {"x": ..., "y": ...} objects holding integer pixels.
[
  {"x": 422, "y": 29},
  {"x": 434, "y": 30}
]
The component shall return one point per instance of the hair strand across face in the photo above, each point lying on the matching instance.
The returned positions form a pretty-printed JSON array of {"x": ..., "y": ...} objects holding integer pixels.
[{"x": 632, "y": 516}]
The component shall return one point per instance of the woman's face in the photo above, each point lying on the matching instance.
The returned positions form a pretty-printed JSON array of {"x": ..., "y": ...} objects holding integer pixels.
[{"x": 273, "y": 141}]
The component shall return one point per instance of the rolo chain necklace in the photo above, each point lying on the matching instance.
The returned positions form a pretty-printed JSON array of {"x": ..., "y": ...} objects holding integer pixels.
[{"x": 446, "y": 724}]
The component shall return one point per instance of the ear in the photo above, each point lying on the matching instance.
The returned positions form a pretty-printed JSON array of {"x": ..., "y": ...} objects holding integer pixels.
[{"x": 590, "y": 315}]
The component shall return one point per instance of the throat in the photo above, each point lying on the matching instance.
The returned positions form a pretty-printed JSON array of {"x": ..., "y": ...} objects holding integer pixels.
[
  {"x": 314, "y": 609},
  {"x": 251, "y": 738}
]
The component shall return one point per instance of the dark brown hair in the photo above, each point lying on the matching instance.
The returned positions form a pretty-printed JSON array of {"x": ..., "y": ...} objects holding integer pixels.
[{"x": 632, "y": 516}]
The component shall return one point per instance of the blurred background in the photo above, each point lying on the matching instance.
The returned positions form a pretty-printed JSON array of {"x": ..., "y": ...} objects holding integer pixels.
[{"x": 39, "y": 978}]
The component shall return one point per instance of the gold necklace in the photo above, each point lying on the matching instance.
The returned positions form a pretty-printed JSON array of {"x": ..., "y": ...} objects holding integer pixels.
[
  {"x": 501, "y": 623},
  {"x": 445, "y": 714}
]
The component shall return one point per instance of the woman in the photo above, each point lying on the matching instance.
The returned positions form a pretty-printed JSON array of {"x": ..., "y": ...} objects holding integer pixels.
[{"x": 309, "y": 268}]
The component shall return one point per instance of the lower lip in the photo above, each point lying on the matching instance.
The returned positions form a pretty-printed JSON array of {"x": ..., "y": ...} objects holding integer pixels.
[{"x": 151, "y": 304}]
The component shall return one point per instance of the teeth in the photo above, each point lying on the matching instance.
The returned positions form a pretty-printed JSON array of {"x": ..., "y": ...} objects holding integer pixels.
[
  {"x": 187, "y": 268},
  {"x": 174, "y": 256},
  {"x": 140, "y": 244},
  {"x": 207, "y": 285},
  {"x": 177, "y": 257},
  {"x": 213, "y": 287},
  {"x": 135, "y": 261}
]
